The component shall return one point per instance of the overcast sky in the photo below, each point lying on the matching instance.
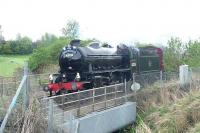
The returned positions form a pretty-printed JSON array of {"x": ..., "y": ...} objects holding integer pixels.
[{"x": 151, "y": 21}]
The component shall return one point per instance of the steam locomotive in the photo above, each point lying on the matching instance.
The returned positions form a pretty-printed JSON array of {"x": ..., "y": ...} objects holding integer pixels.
[{"x": 98, "y": 65}]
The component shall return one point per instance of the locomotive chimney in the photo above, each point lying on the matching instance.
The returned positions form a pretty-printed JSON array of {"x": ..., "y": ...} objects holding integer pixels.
[{"x": 75, "y": 43}]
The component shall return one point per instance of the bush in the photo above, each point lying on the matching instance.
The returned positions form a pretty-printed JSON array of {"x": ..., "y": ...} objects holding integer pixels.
[
  {"x": 39, "y": 58},
  {"x": 46, "y": 55}
]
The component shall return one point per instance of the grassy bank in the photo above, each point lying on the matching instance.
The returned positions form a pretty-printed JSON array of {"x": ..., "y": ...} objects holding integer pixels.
[
  {"x": 9, "y": 63},
  {"x": 168, "y": 110}
]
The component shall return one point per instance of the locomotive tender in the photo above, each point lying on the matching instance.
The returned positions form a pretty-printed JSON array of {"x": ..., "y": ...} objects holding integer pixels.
[{"x": 95, "y": 65}]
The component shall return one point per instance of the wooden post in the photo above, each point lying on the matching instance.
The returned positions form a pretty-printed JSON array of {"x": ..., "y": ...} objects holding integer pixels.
[{"x": 50, "y": 117}]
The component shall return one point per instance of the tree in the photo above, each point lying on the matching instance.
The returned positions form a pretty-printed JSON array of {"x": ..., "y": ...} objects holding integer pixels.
[
  {"x": 6, "y": 48},
  {"x": 1, "y": 36},
  {"x": 71, "y": 31},
  {"x": 192, "y": 53},
  {"x": 173, "y": 54},
  {"x": 24, "y": 45}
]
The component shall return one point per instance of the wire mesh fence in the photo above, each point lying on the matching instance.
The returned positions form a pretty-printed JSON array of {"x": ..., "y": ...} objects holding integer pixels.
[
  {"x": 64, "y": 108},
  {"x": 8, "y": 85}
]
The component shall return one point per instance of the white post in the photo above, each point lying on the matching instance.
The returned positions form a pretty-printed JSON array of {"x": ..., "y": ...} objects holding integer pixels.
[{"x": 184, "y": 75}]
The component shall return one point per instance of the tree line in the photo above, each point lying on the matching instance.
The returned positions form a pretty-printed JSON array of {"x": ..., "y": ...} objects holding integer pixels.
[
  {"x": 21, "y": 46},
  {"x": 177, "y": 53},
  {"x": 46, "y": 50},
  {"x": 49, "y": 47}
]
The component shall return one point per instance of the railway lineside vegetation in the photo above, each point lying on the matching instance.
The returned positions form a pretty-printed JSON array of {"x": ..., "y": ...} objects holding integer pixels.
[
  {"x": 168, "y": 110},
  {"x": 19, "y": 46},
  {"x": 177, "y": 53},
  {"x": 50, "y": 46}
]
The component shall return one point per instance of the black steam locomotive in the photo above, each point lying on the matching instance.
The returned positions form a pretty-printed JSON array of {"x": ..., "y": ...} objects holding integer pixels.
[{"x": 95, "y": 65}]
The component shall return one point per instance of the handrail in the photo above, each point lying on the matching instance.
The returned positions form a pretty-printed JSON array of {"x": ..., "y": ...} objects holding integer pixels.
[{"x": 46, "y": 98}]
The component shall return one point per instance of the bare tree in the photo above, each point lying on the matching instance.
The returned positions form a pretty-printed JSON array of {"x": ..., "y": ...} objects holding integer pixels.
[{"x": 71, "y": 31}]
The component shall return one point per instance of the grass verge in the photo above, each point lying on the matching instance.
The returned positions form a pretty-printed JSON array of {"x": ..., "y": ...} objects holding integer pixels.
[{"x": 9, "y": 63}]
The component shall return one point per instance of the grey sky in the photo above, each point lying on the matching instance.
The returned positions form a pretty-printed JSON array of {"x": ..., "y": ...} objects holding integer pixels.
[{"x": 108, "y": 20}]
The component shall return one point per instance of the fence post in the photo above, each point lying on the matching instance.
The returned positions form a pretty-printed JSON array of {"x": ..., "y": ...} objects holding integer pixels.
[
  {"x": 93, "y": 96},
  {"x": 183, "y": 74},
  {"x": 2, "y": 86},
  {"x": 125, "y": 90},
  {"x": 26, "y": 86},
  {"x": 190, "y": 77},
  {"x": 115, "y": 94},
  {"x": 135, "y": 91},
  {"x": 15, "y": 82},
  {"x": 79, "y": 104},
  {"x": 161, "y": 79},
  {"x": 63, "y": 107},
  {"x": 50, "y": 117},
  {"x": 105, "y": 97}
]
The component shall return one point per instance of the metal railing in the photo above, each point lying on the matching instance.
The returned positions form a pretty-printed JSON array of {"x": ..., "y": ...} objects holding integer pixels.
[{"x": 81, "y": 103}]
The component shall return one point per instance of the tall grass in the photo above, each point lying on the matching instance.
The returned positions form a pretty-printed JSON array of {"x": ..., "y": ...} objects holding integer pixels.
[{"x": 168, "y": 110}]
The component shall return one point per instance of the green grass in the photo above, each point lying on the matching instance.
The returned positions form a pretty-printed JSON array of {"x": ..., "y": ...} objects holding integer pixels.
[{"x": 9, "y": 63}]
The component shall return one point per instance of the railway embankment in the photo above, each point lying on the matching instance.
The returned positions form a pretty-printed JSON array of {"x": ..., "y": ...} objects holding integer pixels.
[{"x": 170, "y": 109}]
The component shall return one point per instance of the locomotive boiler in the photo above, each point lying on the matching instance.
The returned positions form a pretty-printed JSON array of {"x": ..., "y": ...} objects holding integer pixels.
[{"x": 98, "y": 65}]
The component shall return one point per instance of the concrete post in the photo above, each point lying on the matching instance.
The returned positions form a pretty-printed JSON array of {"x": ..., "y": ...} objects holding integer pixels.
[{"x": 183, "y": 75}]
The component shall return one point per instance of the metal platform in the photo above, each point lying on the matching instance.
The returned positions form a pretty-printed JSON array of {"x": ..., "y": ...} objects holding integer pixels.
[{"x": 105, "y": 121}]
